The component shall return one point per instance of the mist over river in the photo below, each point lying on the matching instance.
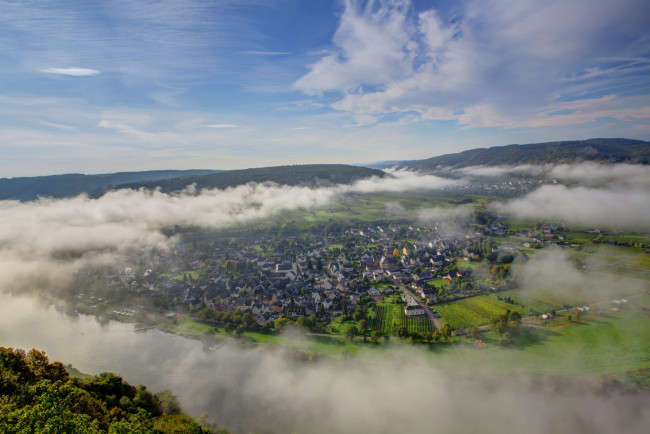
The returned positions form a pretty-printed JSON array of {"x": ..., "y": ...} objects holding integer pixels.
[
  {"x": 153, "y": 358},
  {"x": 264, "y": 390}
]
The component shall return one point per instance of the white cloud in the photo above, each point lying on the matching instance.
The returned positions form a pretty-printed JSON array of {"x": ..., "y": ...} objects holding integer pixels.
[
  {"x": 128, "y": 219},
  {"x": 488, "y": 64},
  {"x": 372, "y": 47},
  {"x": 621, "y": 208},
  {"x": 76, "y": 72}
]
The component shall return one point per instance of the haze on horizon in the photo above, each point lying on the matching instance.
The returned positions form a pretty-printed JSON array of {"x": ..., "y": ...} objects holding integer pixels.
[{"x": 97, "y": 87}]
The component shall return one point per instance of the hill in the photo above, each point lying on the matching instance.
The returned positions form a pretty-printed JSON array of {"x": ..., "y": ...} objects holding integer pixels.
[
  {"x": 601, "y": 150},
  {"x": 73, "y": 184},
  {"x": 39, "y": 396},
  {"x": 309, "y": 174}
]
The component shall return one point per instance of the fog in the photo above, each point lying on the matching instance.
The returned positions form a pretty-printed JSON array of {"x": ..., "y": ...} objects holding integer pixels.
[
  {"x": 614, "y": 208},
  {"x": 270, "y": 390},
  {"x": 52, "y": 237},
  {"x": 586, "y": 173},
  {"x": 552, "y": 272},
  {"x": 612, "y": 196}
]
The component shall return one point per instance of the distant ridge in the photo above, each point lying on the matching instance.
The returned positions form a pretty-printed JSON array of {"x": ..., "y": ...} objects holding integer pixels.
[
  {"x": 600, "y": 150},
  {"x": 307, "y": 174},
  {"x": 73, "y": 184}
]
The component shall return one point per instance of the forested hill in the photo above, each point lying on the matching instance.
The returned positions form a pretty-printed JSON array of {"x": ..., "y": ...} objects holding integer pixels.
[
  {"x": 309, "y": 174},
  {"x": 37, "y": 396},
  {"x": 73, "y": 184},
  {"x": 600, "y": 150}
]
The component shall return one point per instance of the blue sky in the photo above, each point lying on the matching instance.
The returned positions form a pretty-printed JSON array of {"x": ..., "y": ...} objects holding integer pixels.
[{"x": 116, "y": 85}]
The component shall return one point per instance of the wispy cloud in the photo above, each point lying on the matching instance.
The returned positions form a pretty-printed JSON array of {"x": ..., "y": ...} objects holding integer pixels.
[
  {"x": 76, "y": 72},
  {"x": 267, "y": 53},
  {"x": 220, "y": 126}
]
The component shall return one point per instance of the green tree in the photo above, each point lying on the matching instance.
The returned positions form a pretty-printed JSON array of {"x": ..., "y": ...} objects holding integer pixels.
[
  {"x": 350, "y": 332},
  {"x": 363, "y": 328},
  {"x": 445, "y": 331}
]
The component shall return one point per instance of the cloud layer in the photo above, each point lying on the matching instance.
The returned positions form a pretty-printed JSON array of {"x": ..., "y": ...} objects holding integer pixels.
[
  {"x": 120, "y": 221},
  {"x": 614, "y": 196}
]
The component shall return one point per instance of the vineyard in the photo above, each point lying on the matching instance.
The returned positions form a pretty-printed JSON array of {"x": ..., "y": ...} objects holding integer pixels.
[
  {"x": 388, "y": 317},
  {"x": 475, "y": 311}
]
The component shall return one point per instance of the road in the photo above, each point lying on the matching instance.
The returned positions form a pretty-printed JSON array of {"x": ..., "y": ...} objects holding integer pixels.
[{"x": 437, "y": 322}]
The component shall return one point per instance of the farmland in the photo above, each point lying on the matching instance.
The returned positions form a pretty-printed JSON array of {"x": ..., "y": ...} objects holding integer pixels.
[
  {"x": 475, "y": 311},
  {"x": 530, "y": 304},
  {"x": 388, "y": 317}
]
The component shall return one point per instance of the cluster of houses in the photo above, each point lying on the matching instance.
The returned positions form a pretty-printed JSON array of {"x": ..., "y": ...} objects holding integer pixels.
[
  {"x": 301, "y": 278},
  {"x": 301, "y": 274}
]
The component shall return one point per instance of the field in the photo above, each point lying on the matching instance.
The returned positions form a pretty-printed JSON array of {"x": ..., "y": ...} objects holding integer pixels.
[
  {"x": 388, "y": 317},
  {"x": 373, "y": 207},
  {"x": 611, "y": 343},
  {"x": 475, "y": 311},
  {"x": 530, "y": 304}
]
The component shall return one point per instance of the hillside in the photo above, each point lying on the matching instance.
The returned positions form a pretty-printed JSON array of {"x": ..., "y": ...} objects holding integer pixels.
[
  {"x": 73, "y": 184},
  {"x": 39, "y": 396},
  {"x": 601, "y": 150},
  {"x": 310, "y": 174}
]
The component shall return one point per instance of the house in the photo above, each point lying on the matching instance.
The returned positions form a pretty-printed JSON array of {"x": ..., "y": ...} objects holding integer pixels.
[{"x": 413, "y": 310}]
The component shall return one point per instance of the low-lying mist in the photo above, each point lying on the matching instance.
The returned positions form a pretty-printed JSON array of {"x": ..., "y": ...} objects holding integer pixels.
[
  {"x": 266, "y": 389},
  {"x": 51, "y": 237},
  {"x": 269, "y": 389},
  {"x": 614, "y": 196},
  {"x": 554, "y": 275}
]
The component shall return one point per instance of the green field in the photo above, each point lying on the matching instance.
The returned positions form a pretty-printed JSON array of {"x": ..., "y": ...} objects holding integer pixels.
[
  {"x": 530, "y": 304},
  {"x": 609, "y": 344},
  {"x": 387, "y": 317},
  {"x": 474, "y": 311},
  {"x": 438, "y": 283}
]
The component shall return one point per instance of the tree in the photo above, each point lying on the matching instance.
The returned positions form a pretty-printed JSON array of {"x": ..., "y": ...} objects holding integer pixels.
[
  {"x": 280, "y": 323},
  {"x": 445, "y": 331},
  {"x": 376, "y": 335},
  {"x": 304, "y": 322},
  {"x": 363, "y": 328},
  {"x": 402, "y": 332},
  {"x": 168, "y": 402},
  {"x": 351, "y": 332}
]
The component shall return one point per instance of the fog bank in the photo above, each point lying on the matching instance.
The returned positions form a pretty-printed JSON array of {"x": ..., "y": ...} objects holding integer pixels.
[{"x": 266, "y": 390}]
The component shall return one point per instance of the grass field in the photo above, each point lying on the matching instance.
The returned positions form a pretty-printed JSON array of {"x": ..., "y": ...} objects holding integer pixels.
[
  {"x": 530, "y": 304},
  {"x": 617, "y": 343}
]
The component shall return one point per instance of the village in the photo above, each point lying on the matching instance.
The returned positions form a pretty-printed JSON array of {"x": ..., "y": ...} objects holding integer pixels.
[{"x": 265, "y": 276}]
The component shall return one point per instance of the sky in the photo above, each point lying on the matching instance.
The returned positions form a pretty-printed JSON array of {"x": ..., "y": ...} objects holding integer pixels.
[{"x": 117, "y": 85}]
